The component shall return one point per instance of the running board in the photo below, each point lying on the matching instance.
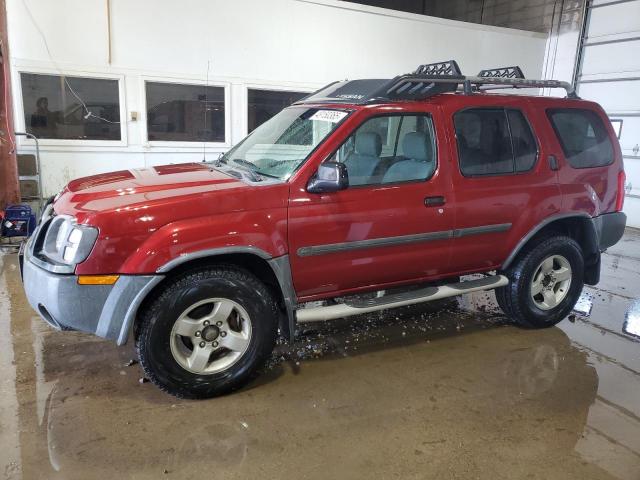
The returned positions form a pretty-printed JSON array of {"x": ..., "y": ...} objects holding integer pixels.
[{"x": 427, "y": 294}]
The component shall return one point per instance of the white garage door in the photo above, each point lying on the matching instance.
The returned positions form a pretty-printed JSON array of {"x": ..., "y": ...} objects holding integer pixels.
[{"x": 609, "y": 73}]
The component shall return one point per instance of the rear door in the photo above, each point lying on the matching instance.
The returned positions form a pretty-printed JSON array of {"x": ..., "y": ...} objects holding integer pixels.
[
  {"x": 383, "y": 229},
  {"x": 502, "y": 180}
]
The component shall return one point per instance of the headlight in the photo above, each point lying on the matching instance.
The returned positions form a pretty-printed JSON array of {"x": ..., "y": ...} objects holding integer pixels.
[{"x": 67, "y": 242}]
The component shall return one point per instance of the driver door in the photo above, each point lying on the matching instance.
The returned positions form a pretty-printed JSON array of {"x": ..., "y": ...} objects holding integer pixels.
[{"x": 391, "y": 226}]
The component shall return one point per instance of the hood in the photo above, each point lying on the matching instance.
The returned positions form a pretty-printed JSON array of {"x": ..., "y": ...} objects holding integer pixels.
[
  {"x": 199, "y": 188},
  {"x": 149, "y": 180}
]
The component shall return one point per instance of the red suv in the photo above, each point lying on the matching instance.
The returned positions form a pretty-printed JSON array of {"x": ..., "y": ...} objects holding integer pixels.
[{"x": 366, "y": 195}]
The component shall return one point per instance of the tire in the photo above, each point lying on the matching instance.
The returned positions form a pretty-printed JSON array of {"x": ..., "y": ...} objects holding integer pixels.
[
  {"x": 207, "y": 332},
  {"x": 544, "y": 268}
]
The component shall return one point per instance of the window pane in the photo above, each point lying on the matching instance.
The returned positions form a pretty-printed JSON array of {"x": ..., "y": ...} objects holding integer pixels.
[
  {"x": 484, "y": 146},
  {"x": 284, "y": 142},
  {"x": 264, "y": 104},
  {"x": 73, "y": 108},
  {"x": 390, "y": 149},
  {"x": 584, "y": 139},
  {"x": 185, "y": 113},
  {"x": 524, "y": 144}
]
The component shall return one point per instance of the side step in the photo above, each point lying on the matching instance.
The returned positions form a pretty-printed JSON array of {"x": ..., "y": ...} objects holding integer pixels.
[{"x": 360, "y": 306}]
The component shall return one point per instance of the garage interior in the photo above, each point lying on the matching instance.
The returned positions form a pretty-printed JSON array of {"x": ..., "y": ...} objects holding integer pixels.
[{"x": 445, "y": 389}]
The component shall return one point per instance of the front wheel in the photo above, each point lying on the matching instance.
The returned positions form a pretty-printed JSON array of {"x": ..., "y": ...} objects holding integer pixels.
[
  {"x": 207, "y": 332},
  {"x": 544, "y": 283}
]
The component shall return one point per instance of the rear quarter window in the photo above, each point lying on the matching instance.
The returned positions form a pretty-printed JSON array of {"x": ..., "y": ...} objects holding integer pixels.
[{"x": 583, "y": 137}]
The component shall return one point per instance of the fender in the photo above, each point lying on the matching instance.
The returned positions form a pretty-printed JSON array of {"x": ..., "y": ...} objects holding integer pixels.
[
  {"x": 260, "y": 232},
  {"x": 592, "y": 239},
  {"x": 280, "y": 267}
]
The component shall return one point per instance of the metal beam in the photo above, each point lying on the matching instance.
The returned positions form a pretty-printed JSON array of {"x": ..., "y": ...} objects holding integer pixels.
[{"x": 9, "y": 186}]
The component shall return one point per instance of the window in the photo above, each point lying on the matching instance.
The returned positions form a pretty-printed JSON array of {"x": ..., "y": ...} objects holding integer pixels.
[
  {"x": 185, "y": 113},
  {"x": 494, "y": 141},
  {"x": 71, "y": 108},
  {"x": 264, "y": 104},
  {"x": 281, "y": 144},
  {"x": 616, "y": 123},
  {"x": 389, "y": 149},
  {"x": 584, "y": 139}
]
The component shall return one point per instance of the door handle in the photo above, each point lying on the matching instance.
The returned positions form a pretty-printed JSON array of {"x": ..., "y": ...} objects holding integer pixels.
[
  {"x": 553, "y": 162},
  {"x": 437, "y": 201}
]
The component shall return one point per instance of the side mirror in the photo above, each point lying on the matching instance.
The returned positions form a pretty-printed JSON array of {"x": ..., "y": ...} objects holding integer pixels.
[{"x": 330, "y": 177}]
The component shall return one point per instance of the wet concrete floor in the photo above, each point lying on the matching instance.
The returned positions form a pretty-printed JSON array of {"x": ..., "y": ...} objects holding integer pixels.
[{"x": 445, "y": 390}]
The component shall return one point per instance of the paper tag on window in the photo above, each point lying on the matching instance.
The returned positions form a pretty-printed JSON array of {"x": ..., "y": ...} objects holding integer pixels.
[{"x": 333, "y": 116}]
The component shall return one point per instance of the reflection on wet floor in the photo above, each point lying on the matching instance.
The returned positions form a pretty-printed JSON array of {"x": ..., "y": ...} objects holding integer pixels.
[{"x": 446, "y": 390}]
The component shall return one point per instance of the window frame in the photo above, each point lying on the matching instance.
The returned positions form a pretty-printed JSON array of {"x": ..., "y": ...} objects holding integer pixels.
[
  {"x": 504, "y": 109},
  {"x": 20, "y": 122},
  {"x": 549, "y": 111},
  {"x": 393, "y": 114},
  {"x": 197, "y": 145}
]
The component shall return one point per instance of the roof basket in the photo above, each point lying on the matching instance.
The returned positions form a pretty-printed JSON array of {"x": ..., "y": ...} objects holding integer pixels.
[
  {"x": 502, "y": 72},
  {"x": 450, "y": 68},
  {"x": 429, "y": 80}
]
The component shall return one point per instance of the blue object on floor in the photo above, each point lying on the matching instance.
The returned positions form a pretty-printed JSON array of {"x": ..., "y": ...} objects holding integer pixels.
[{"x": 18, "y": 221}]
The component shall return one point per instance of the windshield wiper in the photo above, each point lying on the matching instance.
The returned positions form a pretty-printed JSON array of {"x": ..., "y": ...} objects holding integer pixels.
[{"x": 249, "y": 167}]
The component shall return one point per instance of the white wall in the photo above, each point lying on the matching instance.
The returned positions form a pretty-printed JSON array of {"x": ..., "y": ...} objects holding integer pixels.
[{"x": 295, "y": 44}]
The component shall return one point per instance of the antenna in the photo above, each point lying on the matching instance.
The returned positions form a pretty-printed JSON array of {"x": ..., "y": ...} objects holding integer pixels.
[{"x": 204, "y": 112}]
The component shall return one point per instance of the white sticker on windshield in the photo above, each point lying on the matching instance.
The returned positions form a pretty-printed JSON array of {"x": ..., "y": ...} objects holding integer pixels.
[{"x": 333, "y": 116}]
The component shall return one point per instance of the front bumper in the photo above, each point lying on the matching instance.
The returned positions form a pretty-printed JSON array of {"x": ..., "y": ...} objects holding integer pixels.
[{"x": 104, "y": 310}]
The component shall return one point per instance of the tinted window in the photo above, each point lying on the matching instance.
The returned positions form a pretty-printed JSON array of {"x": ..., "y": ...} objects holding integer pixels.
[
  {"x": 583, "y": 137},
  {"x": 494, "y": 141},
  {"x": 71, "y": 108},
  {"x": 484, "y": 146},
  {"x": 185, "y": 113},
  {"x": 264, "y": 104},
  {"x": 389, "y": 149},
  {"x": 525, "y": 148}
]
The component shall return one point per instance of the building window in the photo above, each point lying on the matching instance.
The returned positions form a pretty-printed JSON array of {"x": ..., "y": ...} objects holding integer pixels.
[
  {"x": 185, "y": 113},
  {"x": 71, "y": 108},
  {"x": 264, "y": 104}
]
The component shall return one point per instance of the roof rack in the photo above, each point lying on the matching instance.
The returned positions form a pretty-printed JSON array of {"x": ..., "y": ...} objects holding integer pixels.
[
  {"x": 450, "y": 67},
  {"x": 502, "y": 72},
  {"x": 429, "y": 80}
]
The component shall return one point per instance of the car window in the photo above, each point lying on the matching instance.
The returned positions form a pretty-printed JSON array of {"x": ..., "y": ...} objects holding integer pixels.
[
  {"x": 525, "y": 148},
  {"x": 583, "y": 137},
  {"x": 389, "y": 149},
  {"x": 494, "y": 141}
]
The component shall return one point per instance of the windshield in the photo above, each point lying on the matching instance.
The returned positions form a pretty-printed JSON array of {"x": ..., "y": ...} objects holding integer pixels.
[{"x": 279, "y": 146}]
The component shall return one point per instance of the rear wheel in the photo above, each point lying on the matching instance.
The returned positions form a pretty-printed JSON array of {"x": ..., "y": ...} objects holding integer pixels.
[
  {"x": 545, "y": 283},
  {"x": 207, "y": 332}
]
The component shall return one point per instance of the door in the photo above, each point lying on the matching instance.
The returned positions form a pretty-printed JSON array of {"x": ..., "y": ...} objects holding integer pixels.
[
  {"x": 503, "y": 182},
  {"x": 391, "y": 225}
]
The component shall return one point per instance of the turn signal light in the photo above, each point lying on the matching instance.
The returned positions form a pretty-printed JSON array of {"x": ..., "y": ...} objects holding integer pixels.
[{"x": 97, "y": 279}]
